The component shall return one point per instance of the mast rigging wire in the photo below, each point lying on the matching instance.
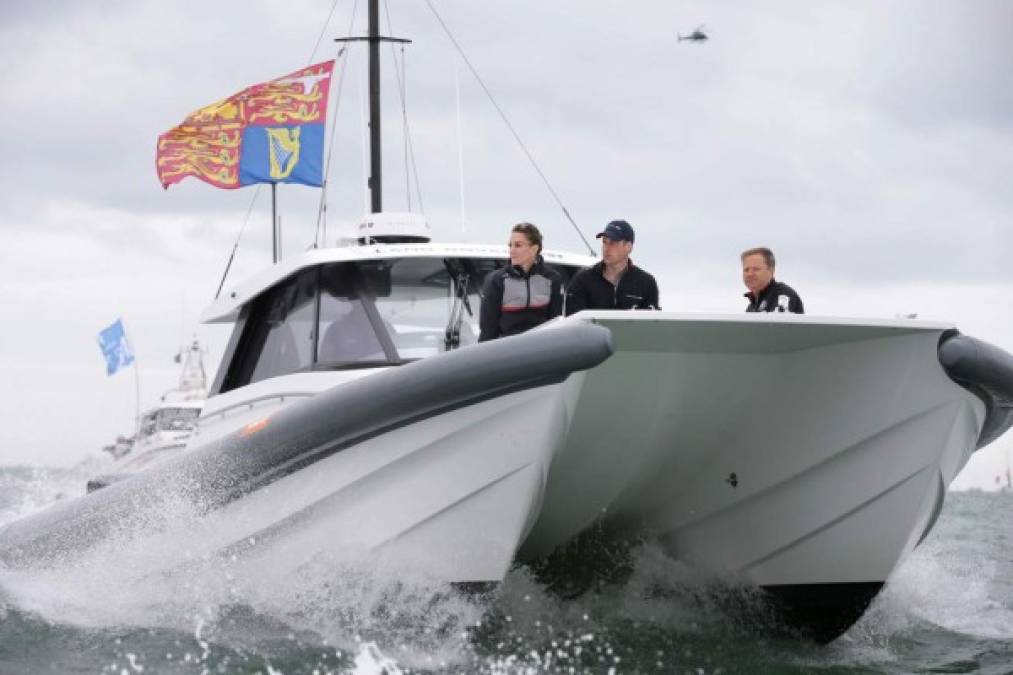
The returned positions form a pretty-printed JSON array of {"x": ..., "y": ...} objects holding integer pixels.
[
  {"x": 323, "y": 30},
  {"x": 256, "y": 193},
  {"x": 506, "y": 121},
  {"x": 319, "y": 236},
  {"x": 402, "y": 85},
  {"x": 235, "y": 246}
]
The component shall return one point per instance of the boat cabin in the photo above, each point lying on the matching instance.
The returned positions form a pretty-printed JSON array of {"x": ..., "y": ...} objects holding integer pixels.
[{"x": 366, "y": 306}]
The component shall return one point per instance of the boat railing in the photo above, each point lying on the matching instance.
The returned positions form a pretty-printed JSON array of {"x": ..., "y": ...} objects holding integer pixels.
[{"x": 250, "y": 404}]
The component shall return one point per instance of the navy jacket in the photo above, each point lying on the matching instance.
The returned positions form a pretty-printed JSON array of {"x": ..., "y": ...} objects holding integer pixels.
[
  {"x": 513, "y": 302},
  {"x": 589, "y": 289}
]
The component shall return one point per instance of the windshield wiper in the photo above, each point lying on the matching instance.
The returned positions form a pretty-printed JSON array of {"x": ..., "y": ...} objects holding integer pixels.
[{"x": 452, "y": 334}]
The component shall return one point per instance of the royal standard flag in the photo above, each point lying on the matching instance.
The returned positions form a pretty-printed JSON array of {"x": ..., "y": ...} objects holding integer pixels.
[
  {"x": 115, "y": 348},
  {"x": 268, "y": 133}
]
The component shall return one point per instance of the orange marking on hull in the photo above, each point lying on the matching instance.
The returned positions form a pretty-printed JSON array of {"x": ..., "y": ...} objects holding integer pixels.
[{"x": 254, "y": 427}]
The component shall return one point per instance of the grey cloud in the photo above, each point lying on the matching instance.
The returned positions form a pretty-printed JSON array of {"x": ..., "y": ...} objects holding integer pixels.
[
  {"x": 796, "y": 124},
  {"x": 938, "y": 63}
]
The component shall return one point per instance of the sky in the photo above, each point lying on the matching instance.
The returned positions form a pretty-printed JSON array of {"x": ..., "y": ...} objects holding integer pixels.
[{"x": 869, "y": 144}]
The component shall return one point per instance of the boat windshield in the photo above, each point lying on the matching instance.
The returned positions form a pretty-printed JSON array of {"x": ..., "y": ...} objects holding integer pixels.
[
  {"x": 415, "y": 306},
  {"x": 359, "y": 314},
  {"x": 387, "y": 310}
]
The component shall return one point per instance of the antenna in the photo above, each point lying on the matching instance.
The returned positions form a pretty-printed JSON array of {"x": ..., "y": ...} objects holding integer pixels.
[{"x": 460, "y": 144}]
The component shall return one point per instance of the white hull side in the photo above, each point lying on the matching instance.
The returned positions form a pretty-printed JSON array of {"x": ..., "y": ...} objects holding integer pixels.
[
  {"x": 451, "y": 496},
  {"x": 842, "y": 439}
]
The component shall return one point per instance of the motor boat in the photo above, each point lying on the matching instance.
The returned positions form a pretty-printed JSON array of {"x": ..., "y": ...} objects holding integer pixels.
[
  {"x": 804, "y": 455},
  {"x": 354, "y": 414},
  {"x": 163, "y": 430}
]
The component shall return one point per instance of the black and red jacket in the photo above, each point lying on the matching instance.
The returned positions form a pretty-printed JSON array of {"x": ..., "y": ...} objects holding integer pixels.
[{"x": 513, "y": 302}]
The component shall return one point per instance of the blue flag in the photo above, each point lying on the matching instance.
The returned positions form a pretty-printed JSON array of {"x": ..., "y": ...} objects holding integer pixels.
[{"x": 115, "y": 348}]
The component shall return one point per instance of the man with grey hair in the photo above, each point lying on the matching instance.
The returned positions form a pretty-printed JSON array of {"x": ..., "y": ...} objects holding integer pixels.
[{"x": 766, "y": 294}]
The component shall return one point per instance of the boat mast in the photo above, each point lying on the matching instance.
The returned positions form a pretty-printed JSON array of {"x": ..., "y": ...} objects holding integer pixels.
[
  {"x": 373, "y": 37},
  {"x": 375, "y": 165}
]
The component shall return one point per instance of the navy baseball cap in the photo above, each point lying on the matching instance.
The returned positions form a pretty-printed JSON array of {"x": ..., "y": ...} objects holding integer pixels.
[{"x": 617, "y": 230}]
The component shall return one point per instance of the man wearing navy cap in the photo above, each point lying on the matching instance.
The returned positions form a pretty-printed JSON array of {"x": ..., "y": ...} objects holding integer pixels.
[{"x": 615, "y": 282}]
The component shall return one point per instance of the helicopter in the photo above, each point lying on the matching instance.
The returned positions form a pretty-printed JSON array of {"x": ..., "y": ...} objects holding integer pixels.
[{"x": 698, "y": 35}]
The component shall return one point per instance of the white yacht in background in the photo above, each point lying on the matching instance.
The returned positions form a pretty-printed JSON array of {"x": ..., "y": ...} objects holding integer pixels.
[
  {"x": 353, "y": 415},
  {"x": 120, "y": 447},
  {"x": 163, "y": 431}
]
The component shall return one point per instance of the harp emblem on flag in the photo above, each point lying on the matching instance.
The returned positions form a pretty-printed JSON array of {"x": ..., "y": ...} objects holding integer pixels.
[{"x": 283, "y": 150}]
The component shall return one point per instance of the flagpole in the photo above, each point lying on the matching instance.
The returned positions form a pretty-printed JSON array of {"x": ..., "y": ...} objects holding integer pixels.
[
  {"x": 275, "y": 233},
  {"x": 137, "y": 384},
  {"x": 137, "y": 396}
]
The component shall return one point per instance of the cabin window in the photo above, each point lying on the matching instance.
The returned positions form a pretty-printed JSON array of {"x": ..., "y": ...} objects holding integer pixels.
[
  {"x": 361, "y": 314},
  {"x": 282, "y": 338},
  {"x": 347, "y": 334},
  {"x": 413, "y": 298}
]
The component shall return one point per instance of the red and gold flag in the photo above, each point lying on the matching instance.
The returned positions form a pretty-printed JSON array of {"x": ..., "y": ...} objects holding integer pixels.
[{"x": 270, "y": 132}]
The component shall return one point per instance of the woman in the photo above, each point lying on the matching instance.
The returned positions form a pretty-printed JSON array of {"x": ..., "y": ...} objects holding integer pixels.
[{"x": 523, "y": 294}]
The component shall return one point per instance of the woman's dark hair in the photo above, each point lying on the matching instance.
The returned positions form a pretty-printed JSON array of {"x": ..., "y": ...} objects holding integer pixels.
[{"x": 532, "y": 234}]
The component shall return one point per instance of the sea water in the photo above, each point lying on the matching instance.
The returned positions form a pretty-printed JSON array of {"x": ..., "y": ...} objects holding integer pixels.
[{"x": 947, "y": 609}]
